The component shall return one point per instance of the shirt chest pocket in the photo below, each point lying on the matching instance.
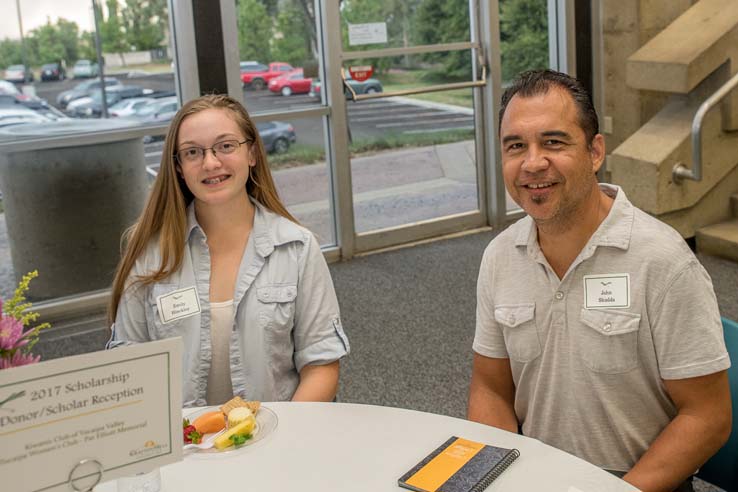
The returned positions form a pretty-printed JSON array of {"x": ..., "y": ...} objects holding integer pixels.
[
  {"x": 519, "y": 328},
  {"x": 608, "y": 340},
  {"x": 276, "y": 307}
]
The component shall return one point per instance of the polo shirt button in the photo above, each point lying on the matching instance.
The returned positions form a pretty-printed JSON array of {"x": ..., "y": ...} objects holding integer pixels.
[
  {"x": 607, "y": 327},
  {"x": 512, "y": 319},
  {"x": 559, "y": 295}
]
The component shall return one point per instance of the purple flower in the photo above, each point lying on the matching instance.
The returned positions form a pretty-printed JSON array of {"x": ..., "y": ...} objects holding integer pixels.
[
  {"x": 18, "y": 359},
  {"x": 11, "y": 333}
]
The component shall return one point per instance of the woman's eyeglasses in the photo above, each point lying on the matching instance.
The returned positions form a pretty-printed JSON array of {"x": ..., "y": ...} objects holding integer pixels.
[{"x": 195, "y": 155}]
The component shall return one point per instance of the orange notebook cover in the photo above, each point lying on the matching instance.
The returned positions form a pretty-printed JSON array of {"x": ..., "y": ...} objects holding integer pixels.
[{"x": 459, "y": 465}]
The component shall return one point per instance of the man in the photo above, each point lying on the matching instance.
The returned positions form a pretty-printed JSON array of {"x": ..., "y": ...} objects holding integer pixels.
[{"x": 597, "y": 329}]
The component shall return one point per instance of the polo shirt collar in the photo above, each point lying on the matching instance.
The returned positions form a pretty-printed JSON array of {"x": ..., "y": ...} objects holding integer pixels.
[
  {"x": 615, "y": 231},
  {"x": 269, "y": 231}
]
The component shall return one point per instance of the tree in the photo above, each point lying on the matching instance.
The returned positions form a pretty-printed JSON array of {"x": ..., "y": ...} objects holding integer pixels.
[
  {"x": 86, "y": 45},
  {"x": 523, "y": 36},
  {"x": 145, "y": 23},
  {"x": 445, "y": 21},
  {"x": 48, "y": 47},
  {"x": 111, "y": 30},
  {"x": 254, "y": 31},
  {"x": 293, "y": 42},
  {"x": 10, "y": 52}
]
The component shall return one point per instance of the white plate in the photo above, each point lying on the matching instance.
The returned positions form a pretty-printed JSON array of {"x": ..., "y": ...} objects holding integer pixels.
[{"x": 266, "y": 423}]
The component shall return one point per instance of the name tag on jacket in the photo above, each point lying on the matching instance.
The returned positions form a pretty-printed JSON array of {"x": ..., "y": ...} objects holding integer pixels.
[
  {"x": 178, "y": 304},
  {"x": 607, "y": 291}
]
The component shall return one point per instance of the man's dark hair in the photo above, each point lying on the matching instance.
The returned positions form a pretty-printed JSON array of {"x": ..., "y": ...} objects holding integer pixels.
[{"x": 538, "y": 82}]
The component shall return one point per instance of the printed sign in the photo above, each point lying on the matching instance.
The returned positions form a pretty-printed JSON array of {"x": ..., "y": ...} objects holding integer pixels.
[
  {"x": 361, "y": 73},
  {"x": 372, "y": 33},
  {"x": 607, "y": 291},
  {"x": 91, "y": 417}
]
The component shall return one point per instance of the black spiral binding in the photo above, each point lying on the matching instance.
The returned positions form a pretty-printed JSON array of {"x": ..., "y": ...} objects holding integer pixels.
[{"x": 496, "y": 471}]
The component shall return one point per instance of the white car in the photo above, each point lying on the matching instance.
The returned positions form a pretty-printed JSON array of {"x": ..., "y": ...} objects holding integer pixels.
[
  {"x": 8, "y": 88},
  {"x": 19, "y": 116},
  {"x": 128, "y": 107}
]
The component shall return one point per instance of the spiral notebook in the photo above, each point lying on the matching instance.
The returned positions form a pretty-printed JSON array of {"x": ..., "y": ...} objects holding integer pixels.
[{"x": 459, "y": 465}]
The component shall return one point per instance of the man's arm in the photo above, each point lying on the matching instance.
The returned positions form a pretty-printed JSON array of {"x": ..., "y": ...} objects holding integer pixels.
[
  {"x": 701, "y": 427},
  {"x": 492, "y": 393}
]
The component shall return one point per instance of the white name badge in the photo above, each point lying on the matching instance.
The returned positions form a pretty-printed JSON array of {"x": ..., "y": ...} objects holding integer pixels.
[
  {"x": 607, "y": 291},
  {"x": 178, "y": 304},
  {"x": 69, "y": 423}
]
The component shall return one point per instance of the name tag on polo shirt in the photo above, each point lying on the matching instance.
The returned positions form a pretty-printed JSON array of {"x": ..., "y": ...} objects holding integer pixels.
[
  {"x": 607, "y": 291},
  {"x": 178, "y": 304}
]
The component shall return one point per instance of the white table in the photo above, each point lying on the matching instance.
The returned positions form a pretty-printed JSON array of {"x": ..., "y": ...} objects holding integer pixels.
[{"x": 324, "y": 447}]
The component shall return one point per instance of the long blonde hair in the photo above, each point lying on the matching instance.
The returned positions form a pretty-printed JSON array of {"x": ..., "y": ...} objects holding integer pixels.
[{"x": 165, "y": 213}]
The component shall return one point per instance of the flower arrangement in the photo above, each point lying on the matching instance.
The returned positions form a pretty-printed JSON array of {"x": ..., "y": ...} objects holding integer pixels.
[{"x": 16, "y": 341}]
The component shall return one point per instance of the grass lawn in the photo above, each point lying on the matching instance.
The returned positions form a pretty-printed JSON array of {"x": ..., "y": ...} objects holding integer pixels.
[
  {"x": 156, "y": 67},
  {"x": 300, "y": 155},
  {"x": 398, "y": 80}
]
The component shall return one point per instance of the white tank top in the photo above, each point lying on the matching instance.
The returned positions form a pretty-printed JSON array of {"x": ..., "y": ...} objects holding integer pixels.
[{"x": 220, "y": 388}]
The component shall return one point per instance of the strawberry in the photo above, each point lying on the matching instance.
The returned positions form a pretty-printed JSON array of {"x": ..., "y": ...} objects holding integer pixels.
[{"x": 190, "y": 434}]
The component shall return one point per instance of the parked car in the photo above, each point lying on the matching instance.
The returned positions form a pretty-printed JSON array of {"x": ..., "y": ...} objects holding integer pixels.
[
  {"x": 276, "y": 135},
  {"x": 8, "y": 88},
  {"x": 18, "y": 101},
  {"x": 53, "y": 71},
  {"x": 249, "y": 66},
  {"x": 293, "y": 82},
  {"x": 161, "y": 111},
  {"x": 14, "y": 73},
  {"x": 260, "y": 78},
  {"x": 128, "y": 107},
  {"x": 83, "y": 89},
  {"x": 85, "y": 69},
  {"x": 91, "y": 107},
  {"x": 369, "y": 86},
  {"x": 19, "y": 116}
]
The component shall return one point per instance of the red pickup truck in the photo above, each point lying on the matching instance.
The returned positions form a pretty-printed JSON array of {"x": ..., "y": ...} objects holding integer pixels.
[{"x": 257, "y": 76}]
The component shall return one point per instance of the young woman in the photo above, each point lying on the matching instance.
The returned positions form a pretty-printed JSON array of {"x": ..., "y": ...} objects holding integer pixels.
[{"x": 215, "y": 258}]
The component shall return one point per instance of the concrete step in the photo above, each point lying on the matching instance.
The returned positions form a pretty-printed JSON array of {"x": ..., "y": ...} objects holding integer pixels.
[
  {"x": 719, "y": 240},
  {"x": 734, "y": 205},
  {"x": 681, "y": 56}
]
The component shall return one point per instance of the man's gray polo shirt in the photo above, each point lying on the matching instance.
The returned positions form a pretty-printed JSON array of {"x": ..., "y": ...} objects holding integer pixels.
[{"x": 588, "y": 378}]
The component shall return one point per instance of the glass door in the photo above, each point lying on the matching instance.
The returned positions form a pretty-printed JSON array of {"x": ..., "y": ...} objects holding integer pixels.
[{"x": 407, "y": 80}]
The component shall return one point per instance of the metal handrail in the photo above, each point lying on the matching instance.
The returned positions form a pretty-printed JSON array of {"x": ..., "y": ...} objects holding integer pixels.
[
  {"x": 420, "y": 90},
  {"x": 680, "y": 171}
]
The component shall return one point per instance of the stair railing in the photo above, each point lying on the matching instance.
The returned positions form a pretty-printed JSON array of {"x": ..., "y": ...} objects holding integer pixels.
[{"x": 680, "y": 171}]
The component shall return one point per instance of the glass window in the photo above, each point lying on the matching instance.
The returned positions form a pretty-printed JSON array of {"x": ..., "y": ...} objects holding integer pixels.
[{"x": 78, "y": 222}]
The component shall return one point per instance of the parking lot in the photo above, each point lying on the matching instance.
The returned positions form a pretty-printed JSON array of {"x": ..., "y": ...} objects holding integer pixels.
[{"x": 367, "y": 119}]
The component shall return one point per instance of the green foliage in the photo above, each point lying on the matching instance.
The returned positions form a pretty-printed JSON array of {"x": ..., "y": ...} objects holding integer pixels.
[
  {"x": 445, "y": 21},
  {"x": 144, "y": 23},
  {"x": 254, "y": 31},
  {"x": 86, "y": 46},
  {"x": 293, "y": 45},
  {"x": 53, "y": 42},
  {"x": 111, "y": 30},
  {"x": 523, "y": 36},
  {"x": 10, "y": 52}
]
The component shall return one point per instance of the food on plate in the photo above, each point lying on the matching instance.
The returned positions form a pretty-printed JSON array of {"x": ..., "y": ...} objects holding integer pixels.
[
  {"x": 238, "y": 415},
  {"x": 190, "y": 433},
  {"x": 210, "y": 422},
  {"x": 236, "y": 435},
  {"x": 236, "y": 402}
]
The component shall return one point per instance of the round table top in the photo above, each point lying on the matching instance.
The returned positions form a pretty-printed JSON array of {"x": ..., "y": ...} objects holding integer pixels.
[{"x": 341, "y": 446}]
